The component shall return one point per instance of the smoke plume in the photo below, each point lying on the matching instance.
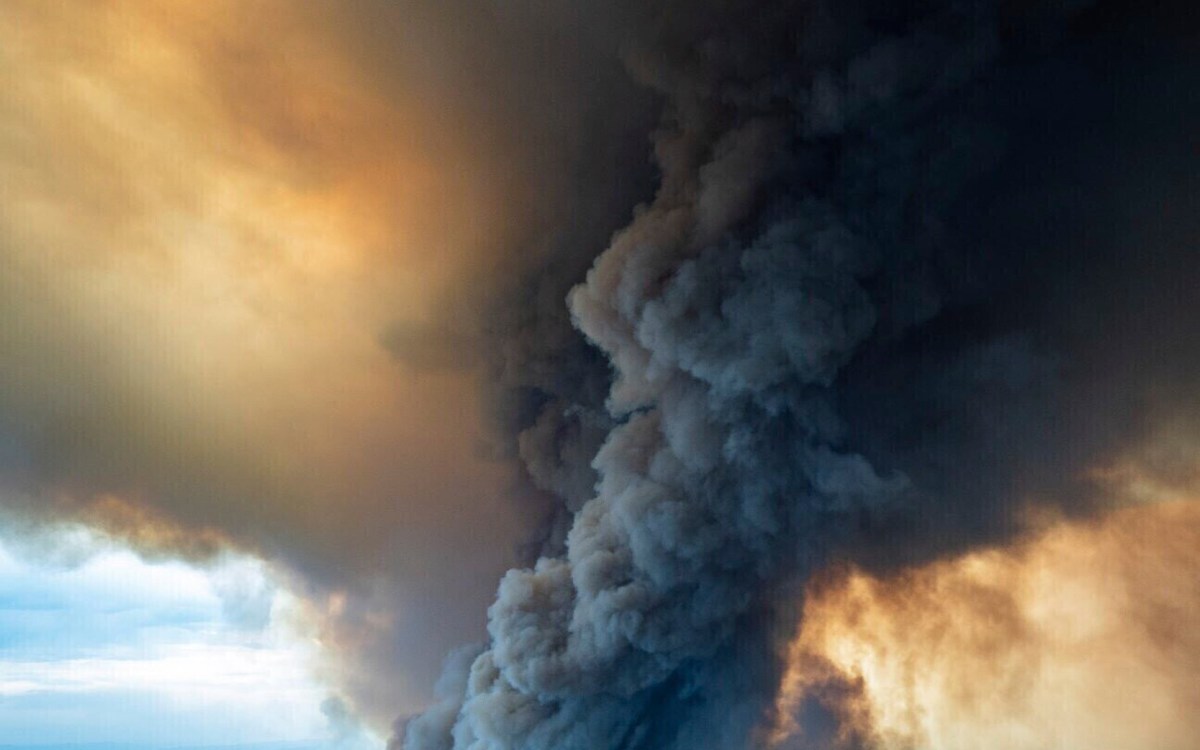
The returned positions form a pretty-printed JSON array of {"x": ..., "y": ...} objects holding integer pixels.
[
  {"x": 675, "y": 306},
  {"x": 895, "y": 297}
]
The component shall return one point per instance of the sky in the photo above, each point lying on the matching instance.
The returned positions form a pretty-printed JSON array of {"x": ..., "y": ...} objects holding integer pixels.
[
  {"x": 473, "y": 375},
  {"x": 101, "y": 647}
]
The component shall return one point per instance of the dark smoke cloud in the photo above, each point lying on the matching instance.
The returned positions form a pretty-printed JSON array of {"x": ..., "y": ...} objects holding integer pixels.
[
  {"x": 901, "y": 276},
  {"x": 909, "y": 271},
  {"x": 210, "y": 215}
]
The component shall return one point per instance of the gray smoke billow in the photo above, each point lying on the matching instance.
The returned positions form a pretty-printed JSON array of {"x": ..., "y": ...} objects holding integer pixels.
[{"x": 909, "y": 269}]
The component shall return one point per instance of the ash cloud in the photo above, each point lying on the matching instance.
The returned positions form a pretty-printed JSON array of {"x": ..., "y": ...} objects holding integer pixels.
[
  {"x": 908, "y": 276},
  {"x": 211, "y": 213},
  {"x": 899, "y": 278}
]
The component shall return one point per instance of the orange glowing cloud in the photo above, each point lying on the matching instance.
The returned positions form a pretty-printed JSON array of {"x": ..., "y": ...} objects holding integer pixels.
[
  {"x": 212, "y": 212},
  {"x": 1086, "y": 636}
]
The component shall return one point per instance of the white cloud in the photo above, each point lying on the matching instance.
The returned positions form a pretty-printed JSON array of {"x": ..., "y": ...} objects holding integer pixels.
[{"x": 116, "y": 649}]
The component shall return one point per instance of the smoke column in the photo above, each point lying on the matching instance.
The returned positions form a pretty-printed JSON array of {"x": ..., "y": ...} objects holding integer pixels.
[
  {"x": 736, "y": 327},
  {"x": 911, "y": 276}
]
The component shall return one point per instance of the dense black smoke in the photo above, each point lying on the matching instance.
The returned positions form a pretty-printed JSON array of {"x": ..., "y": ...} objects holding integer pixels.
[{"x": 910, "y": 271}]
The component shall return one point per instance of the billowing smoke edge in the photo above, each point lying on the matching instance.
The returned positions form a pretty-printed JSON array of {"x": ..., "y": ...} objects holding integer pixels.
[{"x": 861, "y": 318}]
